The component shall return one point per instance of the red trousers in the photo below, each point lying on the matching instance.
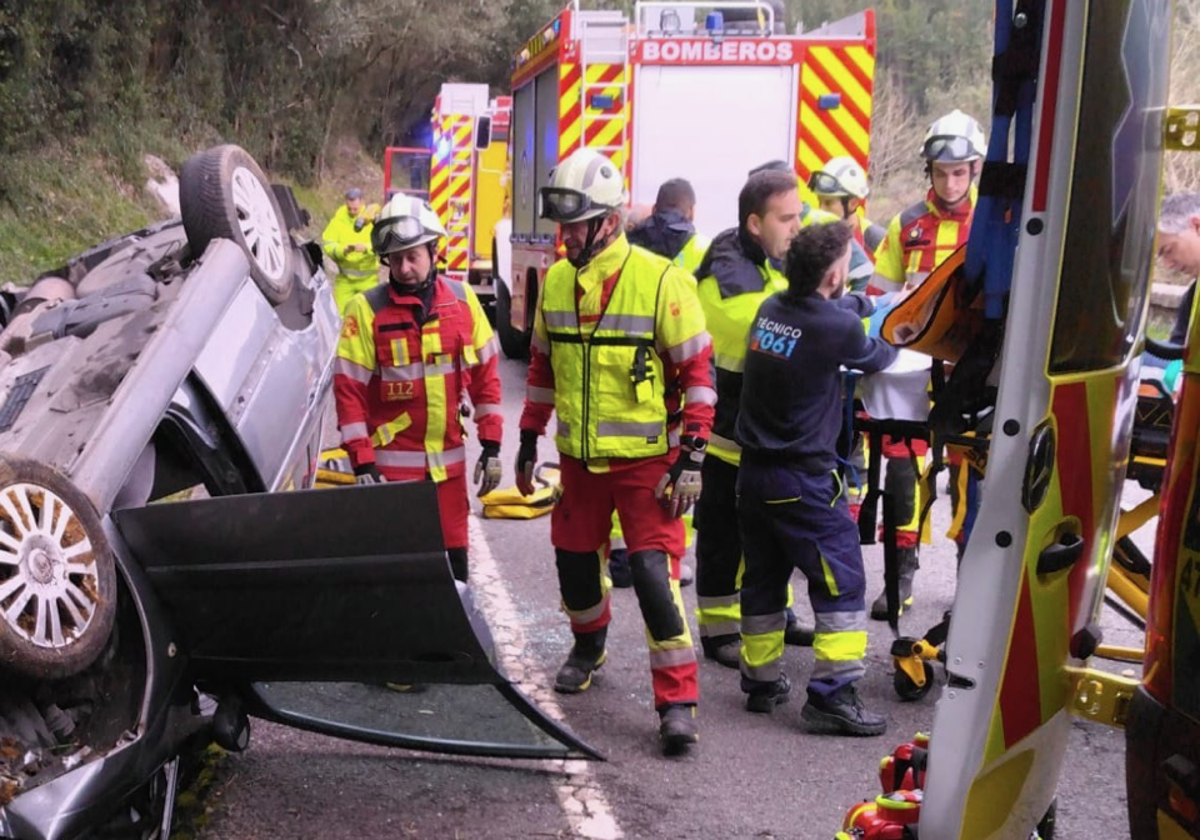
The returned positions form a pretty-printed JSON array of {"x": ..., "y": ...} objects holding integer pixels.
[
  {"x": 580, "y": 525},
  {"x": 582, "y": 519},
  {"x": 453, "y": 508}
]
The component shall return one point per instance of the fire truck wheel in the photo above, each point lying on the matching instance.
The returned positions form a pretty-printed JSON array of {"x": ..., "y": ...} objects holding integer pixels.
[
  {"x": 58, "y": 582},
  {"x": 514, "y": 343},
  {"x": 223, "y": 193},
  {"x": 909, "y": 690}
]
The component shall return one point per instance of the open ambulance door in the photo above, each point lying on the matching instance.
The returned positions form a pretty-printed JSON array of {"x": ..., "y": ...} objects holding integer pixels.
[{"x": 1032, "y": 579}]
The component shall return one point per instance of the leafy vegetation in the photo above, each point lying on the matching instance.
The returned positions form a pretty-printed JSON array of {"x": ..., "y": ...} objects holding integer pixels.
[{"x": 87, "y": 87}]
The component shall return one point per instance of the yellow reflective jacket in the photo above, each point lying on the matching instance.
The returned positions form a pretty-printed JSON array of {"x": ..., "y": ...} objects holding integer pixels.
[
  {"x": 692, "y": 253},
  {"x": 339, "y": 233},
  {"x": 609, "y": 365},
  {"x": 734, "y": 279}
]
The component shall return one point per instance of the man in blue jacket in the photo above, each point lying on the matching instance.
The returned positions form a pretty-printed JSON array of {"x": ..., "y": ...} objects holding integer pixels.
[{"x": 791, "y": 502}]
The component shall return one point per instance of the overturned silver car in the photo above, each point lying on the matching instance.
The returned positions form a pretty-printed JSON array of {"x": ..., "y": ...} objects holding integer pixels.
[{"x": 134, "y": 628}]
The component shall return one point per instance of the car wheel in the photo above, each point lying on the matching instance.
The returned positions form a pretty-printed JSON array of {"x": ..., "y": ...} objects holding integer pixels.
[
  {"x": 58, "y": 583},
  {"x": 223, "y": 194},
  {"x": 513, "y": 343},
  {"x": 907, "y": 689}
]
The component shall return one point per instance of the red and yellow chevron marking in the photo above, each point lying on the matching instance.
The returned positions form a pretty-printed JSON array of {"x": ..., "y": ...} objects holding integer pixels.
[
  {"x": 1032, "y": 689},
  {"x": 580, "y": 124},
  {"x": 450, "y": 186},
  {"x": 822, "y": 133}
]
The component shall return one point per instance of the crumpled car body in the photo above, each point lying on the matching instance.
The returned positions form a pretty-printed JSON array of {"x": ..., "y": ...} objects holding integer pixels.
[{"x": 135, "y": 627}]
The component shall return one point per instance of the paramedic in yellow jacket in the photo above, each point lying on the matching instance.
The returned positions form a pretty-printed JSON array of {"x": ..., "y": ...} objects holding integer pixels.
[{"x": 347, "y": 240}]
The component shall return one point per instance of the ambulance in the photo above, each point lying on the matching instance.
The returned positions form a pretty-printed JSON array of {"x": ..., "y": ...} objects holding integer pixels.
[
  {"x": 463, "y": 176},
  {"x": 702, "y": 91},
  {"x": 1057, "y": 270}
]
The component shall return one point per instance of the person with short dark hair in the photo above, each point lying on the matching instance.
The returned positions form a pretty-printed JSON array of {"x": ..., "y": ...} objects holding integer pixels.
[
  {"x": 791, "y": 504},
  {"x": 742, "y": 268},
  {"x": 669, "y": 230}
]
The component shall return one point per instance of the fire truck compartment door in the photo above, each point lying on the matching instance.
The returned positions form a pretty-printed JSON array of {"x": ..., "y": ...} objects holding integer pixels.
[
  {"x": 710, "y": 125},
  {"x": 547, "y": 142},
  {"x": 524, "y": 190}
]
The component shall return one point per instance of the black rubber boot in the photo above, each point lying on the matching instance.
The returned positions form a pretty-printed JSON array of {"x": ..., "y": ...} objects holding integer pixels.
[
  {"x": 725, "y": 650},
  {"x": 677, "y": 728},
  {"x": 764, "y": 700},
  {"x": 908, "y": 570},
  {"x": 585, "y": 659},
  {"x": 841, "y": 713},
  {"x": 795, "y": 633},
  {"x": 458, "y": 563}
]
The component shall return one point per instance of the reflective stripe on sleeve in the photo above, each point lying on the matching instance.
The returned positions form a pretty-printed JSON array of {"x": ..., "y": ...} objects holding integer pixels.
[
  {"x": 484, "y": 409},
  {"x": 700, "y": 395},
  {"x": 352, "y": 369},
  {"x": 420, "y": 460},
  {"x": 352, "y": 431},
  {"x": 488, "y": 350},
  {"x": 537, "y": 394},
  {"x": 682, "y": 352}
]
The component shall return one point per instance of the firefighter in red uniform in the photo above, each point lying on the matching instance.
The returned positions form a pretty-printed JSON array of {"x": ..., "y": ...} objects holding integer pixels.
[
  {"x": 917, "y": 241},
  {"x": 411, "y": 350},
  {"x": 617, "y": 329}
]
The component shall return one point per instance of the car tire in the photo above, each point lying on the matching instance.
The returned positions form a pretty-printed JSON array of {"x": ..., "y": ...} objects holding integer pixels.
[
  {"x": 58, "y": 582},
  {"x": 223, "y": 194},
  {"x": 515, "y": 344}
]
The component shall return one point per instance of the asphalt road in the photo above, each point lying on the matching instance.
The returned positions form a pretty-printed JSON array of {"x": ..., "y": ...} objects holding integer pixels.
[{"x": 752, "y": 776}]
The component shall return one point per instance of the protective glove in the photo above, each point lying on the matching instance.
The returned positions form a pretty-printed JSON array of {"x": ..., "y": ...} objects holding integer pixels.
[
  {"x": 679, "y": 488},
  {"x": 526, "y": 460},
  {"x": 368, "y": 474},
  {"x": 487, "y": 469}
]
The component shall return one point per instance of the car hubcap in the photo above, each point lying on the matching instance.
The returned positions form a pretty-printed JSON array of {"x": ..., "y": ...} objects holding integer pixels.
[
  {"x": 49, "y": 587},
  {"x": 259, "y": 222}
]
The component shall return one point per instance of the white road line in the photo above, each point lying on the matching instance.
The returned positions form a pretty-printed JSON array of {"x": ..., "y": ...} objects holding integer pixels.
[{"x": 579, "y": 795}]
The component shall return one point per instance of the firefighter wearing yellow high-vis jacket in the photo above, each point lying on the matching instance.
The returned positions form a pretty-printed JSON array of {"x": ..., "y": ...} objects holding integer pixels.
[
  {"x": 411, "y": 351},
  {"x": 739, "y": 272},
  {"x": 618, "y": 330},
  {"x": 347, "y": 241}
]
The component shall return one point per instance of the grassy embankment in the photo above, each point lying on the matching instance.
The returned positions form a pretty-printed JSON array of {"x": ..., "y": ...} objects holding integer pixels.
[{"x": 57, "y": 201}]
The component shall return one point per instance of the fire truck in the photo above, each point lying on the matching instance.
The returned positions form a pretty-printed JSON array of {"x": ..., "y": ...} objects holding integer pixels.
[
  {"x": 463, "y": 177},
  {"x": 702, "y": 91}
]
